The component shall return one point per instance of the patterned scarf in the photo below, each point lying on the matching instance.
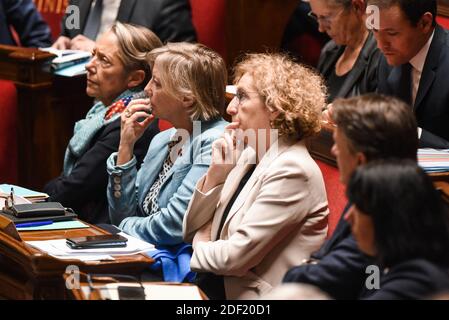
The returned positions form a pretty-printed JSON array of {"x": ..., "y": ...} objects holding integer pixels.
[
  {"x": 151, "y": 204},
  {"x": 86, "y": 129}
]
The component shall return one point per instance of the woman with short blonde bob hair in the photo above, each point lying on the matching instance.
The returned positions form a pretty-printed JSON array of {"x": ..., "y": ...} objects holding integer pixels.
[
  {"x": 208, "y": 88},
  {"x": 188, "y": 83},
  {"x": 253, "y": 218}
]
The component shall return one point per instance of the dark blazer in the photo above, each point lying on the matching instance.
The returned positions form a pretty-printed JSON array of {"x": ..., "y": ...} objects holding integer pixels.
[
  {"x": 26, "y": 20},
  {"x": 414, "y": 279},
  {"x": 170, "y": 20},
  {"x": 363, "y": 76},
  {"x": 338, "y": 268},
  {"x": 432, "y": 100},
  {"x": 84, "y": 190}
]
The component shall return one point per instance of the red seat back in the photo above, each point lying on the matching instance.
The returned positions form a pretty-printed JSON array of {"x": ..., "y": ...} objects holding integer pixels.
[
  {"x": 208, "y": 18},
  {"x": 443, "y": 21},
  {"x": 335, "y": 194},
  {"x": 8, "y": 132}
]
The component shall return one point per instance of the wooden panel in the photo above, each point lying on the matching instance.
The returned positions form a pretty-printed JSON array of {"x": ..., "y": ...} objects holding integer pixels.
[
  {"x": 443, "y": 8},
  {"x": 256, "y": 25},
  {"x": 27, "y": 273},
  {"x": 48, "y": 107}
]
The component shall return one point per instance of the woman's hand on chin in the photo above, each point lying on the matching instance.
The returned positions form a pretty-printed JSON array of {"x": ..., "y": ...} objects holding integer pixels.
[{"x": 226, "y": 152}]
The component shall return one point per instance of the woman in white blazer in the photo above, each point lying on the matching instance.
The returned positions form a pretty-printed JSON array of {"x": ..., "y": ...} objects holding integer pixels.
[{"x": 261, "y": 208}]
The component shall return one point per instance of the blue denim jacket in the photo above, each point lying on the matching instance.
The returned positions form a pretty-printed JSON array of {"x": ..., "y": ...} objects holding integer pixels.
[{"x": 127, "y": 187}]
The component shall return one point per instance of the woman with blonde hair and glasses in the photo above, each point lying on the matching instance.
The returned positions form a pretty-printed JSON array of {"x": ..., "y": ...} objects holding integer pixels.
[
  {"x": 188, "y": 90},
  {"x": 117, "y": 72},
  {"x": 261, "y": 208}
]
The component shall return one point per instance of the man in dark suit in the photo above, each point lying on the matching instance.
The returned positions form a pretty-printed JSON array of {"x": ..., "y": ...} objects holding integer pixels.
[
  {"x": 170, "y": 20},
  {"x": 26, "y": 20},
  {"x": 415, "y": 64},
  {"x": 370, "y": 127}
]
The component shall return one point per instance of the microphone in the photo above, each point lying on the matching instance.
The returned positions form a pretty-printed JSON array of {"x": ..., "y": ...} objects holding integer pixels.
[{"x": 143, "y": 95}]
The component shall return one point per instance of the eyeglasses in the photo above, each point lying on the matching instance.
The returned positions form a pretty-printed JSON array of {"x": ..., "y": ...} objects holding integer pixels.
[
  {"x": 242, "y": 96},
  {"x": 325, "y": 20}
]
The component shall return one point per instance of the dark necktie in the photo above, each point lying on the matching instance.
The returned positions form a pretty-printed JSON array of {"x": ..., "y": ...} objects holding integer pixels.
[
  {"x": 405, "y": 85},
  {"x": 94, "y": 20}
]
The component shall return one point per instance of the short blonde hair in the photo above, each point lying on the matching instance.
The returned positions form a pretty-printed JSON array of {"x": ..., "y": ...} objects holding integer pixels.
[
  {"x": 194, "y": 70},
  {"x": 134, "y": 43},
  {"x": 296, "y": 92}
]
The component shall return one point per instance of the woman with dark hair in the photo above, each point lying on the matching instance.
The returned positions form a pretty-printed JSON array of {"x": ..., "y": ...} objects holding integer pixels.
[{"x": 399, "y": 218}]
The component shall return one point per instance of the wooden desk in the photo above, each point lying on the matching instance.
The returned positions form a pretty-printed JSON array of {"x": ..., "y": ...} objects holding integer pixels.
[
  {"x": 27, "y": 273},
  {"x": 48, "y": 107},
  {"x": 85, "y": 292},
  {"x": 255, "y": 26}
]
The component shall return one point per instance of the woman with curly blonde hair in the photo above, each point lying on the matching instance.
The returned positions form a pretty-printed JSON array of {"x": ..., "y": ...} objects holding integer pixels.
[{"x": 261, "y": 207}]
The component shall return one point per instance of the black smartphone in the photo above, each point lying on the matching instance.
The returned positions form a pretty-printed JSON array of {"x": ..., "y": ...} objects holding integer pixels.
[{"x": 95, "y": 242}]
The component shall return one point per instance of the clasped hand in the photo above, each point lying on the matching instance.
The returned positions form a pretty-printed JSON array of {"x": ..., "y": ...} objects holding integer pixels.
[
  {"x": 134, "y": 121},
  {"x": 226, "y": 152}
]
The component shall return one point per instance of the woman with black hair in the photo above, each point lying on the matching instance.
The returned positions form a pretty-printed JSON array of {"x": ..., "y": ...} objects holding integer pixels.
[{"x": 399, "y": 218}]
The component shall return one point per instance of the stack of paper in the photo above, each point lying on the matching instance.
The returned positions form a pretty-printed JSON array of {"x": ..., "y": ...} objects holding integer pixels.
[
  {"x": 59, "y": 249},
  {"x": 57, "y": 225},
  {"x": 68, "y": 63},
  {"x": 432, "y": 160},
  {"x": 31, "y": 195}
]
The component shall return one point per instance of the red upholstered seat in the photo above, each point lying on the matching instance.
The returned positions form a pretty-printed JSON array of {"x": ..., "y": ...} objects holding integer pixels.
[
  {"x": 443, "y": 21},
  {"x": 335, "y": 194},
  {"x": 208, "y": 18},
  {"x": 8, "y": 132}
]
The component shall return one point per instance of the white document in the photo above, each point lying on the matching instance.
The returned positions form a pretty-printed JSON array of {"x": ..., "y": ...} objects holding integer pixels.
[
  {"x": 59, "y": 249},
  {"x": 432, "y": 160}
]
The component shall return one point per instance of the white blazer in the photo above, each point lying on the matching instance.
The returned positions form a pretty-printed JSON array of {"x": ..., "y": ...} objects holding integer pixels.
[{"x": 278, "y": 219}]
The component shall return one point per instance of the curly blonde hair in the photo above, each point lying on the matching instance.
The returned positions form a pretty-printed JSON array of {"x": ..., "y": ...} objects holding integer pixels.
[{"x": 296, "y": 92}]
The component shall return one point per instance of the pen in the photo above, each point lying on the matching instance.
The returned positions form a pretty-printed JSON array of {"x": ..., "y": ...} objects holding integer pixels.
[{"x": 33, "y": 224}]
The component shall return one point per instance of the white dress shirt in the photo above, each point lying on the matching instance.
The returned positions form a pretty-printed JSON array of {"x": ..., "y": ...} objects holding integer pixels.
[
  {"x": 417, "y": 63},
  {"x": 109, "y": 14}
]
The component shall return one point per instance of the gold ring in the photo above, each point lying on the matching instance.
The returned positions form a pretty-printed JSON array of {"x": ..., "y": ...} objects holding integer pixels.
[{"x": 127, "y": 113}]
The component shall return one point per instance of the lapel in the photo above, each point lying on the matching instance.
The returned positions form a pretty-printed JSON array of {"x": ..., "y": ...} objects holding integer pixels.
[
  {"x": 359, "y": 66},
  {"x": 157, "y": 157},
  {"x": 274, "y": 152},
  {"x": 330, "y": 59},
  {"x": 235, "y": 176},
  {"x": 430, "y": 66},
  {"x": 84, "y": 7},
  {"x": 125, "y": 10}
]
